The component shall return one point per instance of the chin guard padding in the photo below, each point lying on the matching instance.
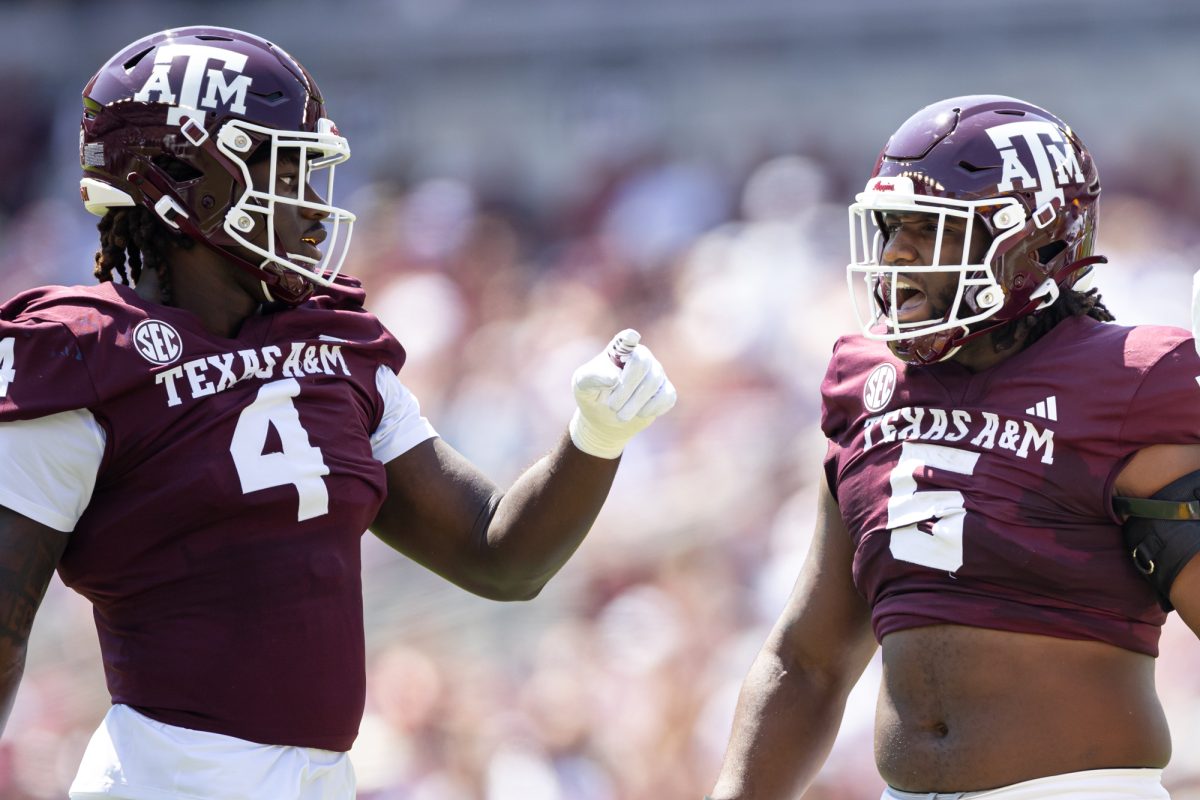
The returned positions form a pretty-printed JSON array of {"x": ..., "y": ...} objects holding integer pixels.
[{"x": 1162, "y": 533}]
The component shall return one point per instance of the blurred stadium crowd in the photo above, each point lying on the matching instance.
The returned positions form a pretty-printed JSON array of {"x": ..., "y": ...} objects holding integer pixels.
[{"x": 502, "y": 266}]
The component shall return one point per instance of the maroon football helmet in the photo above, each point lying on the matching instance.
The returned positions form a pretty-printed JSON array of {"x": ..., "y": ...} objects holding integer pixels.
[
  {"x": 171, "y": 122},
  {"x": 997, "y": 162}
]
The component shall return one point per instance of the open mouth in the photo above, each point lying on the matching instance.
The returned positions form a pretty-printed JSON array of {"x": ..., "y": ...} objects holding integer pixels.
[{"x": 911, "y": 300}]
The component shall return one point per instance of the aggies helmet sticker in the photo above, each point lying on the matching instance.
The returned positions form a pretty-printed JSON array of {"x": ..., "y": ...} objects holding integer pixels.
[
  {"x": 186, "y": 98},
  {"x": 877, "y": 392},
  {"x": 1054, "y": 161},
  {"x": 157, "y": 342}
]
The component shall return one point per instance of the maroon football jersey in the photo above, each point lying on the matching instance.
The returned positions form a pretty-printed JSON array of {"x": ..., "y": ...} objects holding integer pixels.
[
  {"x": 220, "y": 548},
  {"x": 984, "y": 499}
]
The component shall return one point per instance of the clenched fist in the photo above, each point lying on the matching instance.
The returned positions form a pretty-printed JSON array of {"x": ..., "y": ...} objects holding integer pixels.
[{"x": 618, "y": 393}]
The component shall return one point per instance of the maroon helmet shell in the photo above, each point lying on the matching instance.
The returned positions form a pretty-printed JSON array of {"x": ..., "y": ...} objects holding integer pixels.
[
  {"x": 157, "y": 132},
  {"x": 1015, "y": 169}
]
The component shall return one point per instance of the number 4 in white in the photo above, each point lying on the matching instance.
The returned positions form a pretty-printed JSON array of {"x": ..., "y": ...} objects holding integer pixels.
[
  {"x": 942, "y": 546},
  {"x": 8, "y": 372},
  {"x": 300, "y": 464}
]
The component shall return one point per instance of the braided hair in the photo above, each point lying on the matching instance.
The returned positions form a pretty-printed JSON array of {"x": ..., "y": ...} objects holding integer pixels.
[
  {"x": 1069, "y": 304},
  {"x": 133, "y": 238}
]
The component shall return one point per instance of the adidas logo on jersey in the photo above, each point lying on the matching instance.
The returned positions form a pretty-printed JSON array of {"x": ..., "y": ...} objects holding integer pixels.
[{"x": 1045, "y": 409}]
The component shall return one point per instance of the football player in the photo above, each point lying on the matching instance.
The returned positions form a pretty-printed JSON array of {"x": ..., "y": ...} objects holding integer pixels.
[
  {"x": 198, "y": 442},
  {"x": 992, "y": 442}
]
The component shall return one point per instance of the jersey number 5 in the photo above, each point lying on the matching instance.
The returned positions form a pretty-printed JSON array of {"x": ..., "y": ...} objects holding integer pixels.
[
  {"x": 941, "y": 545},
  {"x": 8, "y": 371},
  {"x": 300, "y": 464}
]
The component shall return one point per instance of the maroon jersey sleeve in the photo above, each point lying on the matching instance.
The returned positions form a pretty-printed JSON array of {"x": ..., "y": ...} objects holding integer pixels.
[
  {"x": 51, "y": 443},
  {"x": 856, "y": 382},
  {"x": 43, "y": 366},
  {"x": 835, "y": 414},
  {"x": 1166, "y": 407}
]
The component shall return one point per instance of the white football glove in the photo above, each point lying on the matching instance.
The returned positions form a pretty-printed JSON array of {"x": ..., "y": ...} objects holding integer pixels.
[{"x": 615, "y": 402}]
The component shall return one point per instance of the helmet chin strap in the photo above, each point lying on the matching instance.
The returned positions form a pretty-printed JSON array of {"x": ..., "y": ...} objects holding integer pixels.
[
  {"x": 932, "y": 348},
  {"x": 1044, "y": 296},
  {"x": 277, "y": 286},
  {"x": 1049, "y": 290}
]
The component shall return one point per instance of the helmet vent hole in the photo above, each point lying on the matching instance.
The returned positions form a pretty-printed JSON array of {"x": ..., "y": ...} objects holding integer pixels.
[
  {"x": 133, "y": 62},
  {"x": 210, "y": 37},
  {"x": 1011, "y": 112},
  {"x": 178, "y": 170},
  {"x": 969, "y": 167},
  {"x": 274, "y": 98},
  {"x": 1047, "y": 252}
]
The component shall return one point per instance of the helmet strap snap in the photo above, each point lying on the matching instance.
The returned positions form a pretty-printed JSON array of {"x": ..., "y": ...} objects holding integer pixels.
[{"x": 1049, "y": 290}]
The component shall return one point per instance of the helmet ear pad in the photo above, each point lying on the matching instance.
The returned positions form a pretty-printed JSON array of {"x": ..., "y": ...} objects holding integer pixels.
[
  {"x": 1025, "y": 262},
  {"x": 203, "y": 183}
]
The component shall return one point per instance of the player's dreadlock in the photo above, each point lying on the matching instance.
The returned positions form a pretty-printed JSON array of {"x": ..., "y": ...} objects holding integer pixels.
[
  {"x": 132, "y": 240},
  {"x": 135, "y": 236},
  {"x": 1069, "y": 304}
]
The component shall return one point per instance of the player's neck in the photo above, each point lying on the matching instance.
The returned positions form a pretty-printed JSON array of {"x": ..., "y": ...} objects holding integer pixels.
[
  {"x": 207, "y": 286},
  {"x": 987, "y": 352}
]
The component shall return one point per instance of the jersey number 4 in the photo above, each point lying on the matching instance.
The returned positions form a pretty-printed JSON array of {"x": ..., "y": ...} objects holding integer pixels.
[
  {"x": 299, "y": 464},
  {"x": 940, "y": 545},
  {"x": 8, "y": 367}
]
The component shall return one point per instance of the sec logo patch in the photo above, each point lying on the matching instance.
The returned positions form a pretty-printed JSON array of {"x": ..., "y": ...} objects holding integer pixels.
[
  {"x": 157, "y": 342},
  {"x": 880, "y": 385}
]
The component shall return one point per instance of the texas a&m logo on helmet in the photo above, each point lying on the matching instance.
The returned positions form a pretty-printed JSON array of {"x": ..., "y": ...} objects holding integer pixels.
[
  {"x": 1054, "y": 161},
  {"x": 205, "y": 83}
]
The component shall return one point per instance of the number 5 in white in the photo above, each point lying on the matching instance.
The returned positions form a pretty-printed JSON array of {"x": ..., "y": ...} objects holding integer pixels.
[
  {"x": 300, "y": 464},
  {"x": 942, "y": 548},
  {"x": 8, "y": 372}
]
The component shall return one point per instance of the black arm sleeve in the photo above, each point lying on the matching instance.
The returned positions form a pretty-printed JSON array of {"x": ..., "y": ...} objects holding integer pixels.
[{"x": 1163, "y": 533}]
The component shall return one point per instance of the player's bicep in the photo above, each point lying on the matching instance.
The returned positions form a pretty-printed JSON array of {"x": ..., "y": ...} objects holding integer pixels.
[
  {"x": 437, "y": 511},
  {"x": 826, "y": 625},
  {"x": 1157, "y": 494},
  {"x": 438, "y": 505},
  {"x": 1185, "y": 595}
]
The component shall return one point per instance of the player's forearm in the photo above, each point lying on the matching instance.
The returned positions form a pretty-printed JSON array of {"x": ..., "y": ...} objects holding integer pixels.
[
  {"x": 31, "y": 553},
  {"x": 12, "y": 667},
  {"x": 783, "y": 729},
  {"x": 545, "y": 516}
]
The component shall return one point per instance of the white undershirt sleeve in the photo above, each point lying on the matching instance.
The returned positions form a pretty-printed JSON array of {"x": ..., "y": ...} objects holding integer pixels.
[
  {"x": 402, "y": 426},
  {"x": 50, "y": 466}
]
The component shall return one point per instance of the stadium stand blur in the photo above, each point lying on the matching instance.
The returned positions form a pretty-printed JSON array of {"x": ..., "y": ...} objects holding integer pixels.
[{"x": 532, "y": 176}]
